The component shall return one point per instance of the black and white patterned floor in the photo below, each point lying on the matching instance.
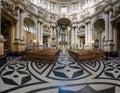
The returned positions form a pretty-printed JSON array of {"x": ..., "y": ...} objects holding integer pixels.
[{"x": 66, "y": 76}]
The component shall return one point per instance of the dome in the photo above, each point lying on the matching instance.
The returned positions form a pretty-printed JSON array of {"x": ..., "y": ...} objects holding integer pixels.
[{"x": 63, "y": 1}]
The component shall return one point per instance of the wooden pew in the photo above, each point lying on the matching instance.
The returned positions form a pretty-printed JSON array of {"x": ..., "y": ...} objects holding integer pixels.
[
  {"x": 80, "y": 55},
  {"x": 45, "y": 56}
]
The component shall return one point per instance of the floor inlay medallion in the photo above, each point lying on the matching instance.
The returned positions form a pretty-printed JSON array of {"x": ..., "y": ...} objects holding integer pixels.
[{"x": 65, "y": 76}]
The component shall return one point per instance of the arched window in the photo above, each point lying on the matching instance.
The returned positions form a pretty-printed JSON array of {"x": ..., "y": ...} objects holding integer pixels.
[{"x": 26, "y": 28}]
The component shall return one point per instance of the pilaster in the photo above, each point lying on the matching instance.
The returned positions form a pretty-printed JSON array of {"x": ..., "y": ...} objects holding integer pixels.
[
  {"x": 40, "y": 35},
  {"x": 19, "y": 44},
  {"x": 2, "y": 40},
  {"x": 108, "y": 44}
]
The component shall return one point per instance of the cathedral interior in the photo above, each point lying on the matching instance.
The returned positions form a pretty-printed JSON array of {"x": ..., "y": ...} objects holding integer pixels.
[{"x": 59, "y": 46}]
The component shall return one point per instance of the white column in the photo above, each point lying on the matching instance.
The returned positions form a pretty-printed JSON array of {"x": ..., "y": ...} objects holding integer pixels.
[
  {"x": 115, "y": 38},
  {"x": 106, "y": 27},
  {"x": 38, "y": 33},
  {"x": 13, "y": 29},
  {"x": 17, "y": 34},
  {"x": 22, "y": 25},
  {"x": 41, "y": 34},
  {"x": 78, "y": 42},
  {"x": 51, "y": 6},
  {"x": 72, "y": 36},
  {"x": 55, "y": 34},
  {"x": 51, "y": 31},
  {"x": 86, "y": 33},
  {"x": 89, "y": 33},
  {"x": 110, "y": 26},
  {"x": 76, "y": 35},
  {"x": 54, "y": 31}
]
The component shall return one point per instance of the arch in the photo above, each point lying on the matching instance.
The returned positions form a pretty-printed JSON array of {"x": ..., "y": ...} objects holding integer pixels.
[
  {"x": 99, "y": 23},
  {"x": 29, "y": 30},
  {"x": 29, "y": 22},
  {"x": 98, "y": 33}
]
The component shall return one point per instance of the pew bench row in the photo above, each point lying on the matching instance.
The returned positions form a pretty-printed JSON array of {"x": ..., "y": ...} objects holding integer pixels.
[
  {"x": 80, "y": 55},
  {"x": 43, "y": 56}
]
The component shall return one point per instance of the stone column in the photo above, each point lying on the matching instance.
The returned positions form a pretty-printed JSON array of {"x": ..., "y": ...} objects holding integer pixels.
[
  {"x": 38, "y": 32},
  {"x": 107, "y": 26},
  {"x": 17, "y": 34},
  {"x": 21, "y": 24},
  {"x": 86, "y": 33},
  {"x": 76, "y": 29},
  {"x": 41, "y": 34},
  {"x": 54, "y": 31},
  {"x": 51, "y": 34},
  {"x": 51, "y": 5},
  {"x": 115, "y": 38},
  {"x": 72, "y": 36},
  {"x": 110, "y": 26},
  {"x": 78, "y": 41},
  {"x": 1, "y": 37},
  {"x": 12, "y": 35},
  {"x": 108, "y": 45},
  {"x": 55, "y": 35},
  {"x": 89, "y": 33}
]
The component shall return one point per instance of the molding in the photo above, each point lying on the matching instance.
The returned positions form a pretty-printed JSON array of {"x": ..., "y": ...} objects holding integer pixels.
[
  {"x": 2, "y": 40},
  {"x": 17, "y": 43}
]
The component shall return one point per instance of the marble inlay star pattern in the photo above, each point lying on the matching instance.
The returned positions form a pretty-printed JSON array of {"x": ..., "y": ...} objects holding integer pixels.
[
  {"x": 66, "y": 76},
  {"x": 67, "y": 69},
  {"x": 87, "y": 89},
  {"x": 67, "y": 72},
  {"x": 15, "y": 74},
  {"x": 112, "y": 70}
]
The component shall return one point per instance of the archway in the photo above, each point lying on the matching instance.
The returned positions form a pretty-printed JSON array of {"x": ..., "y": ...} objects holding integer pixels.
[
  {"x": 64, "y": 32},
  {"x": 29, "y": 31},
  {"x": 118, "y": 36},
  {"x": 6, "y": 32},
  {"x": 99, "y": 34}
]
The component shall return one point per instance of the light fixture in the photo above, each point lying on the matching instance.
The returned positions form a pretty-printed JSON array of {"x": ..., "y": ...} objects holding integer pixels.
[
  {"x": 92, "y": 41},
  {"x": 34, "y": 41}
]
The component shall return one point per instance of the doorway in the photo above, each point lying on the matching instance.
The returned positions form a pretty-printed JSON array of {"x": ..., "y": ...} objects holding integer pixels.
[
  {"x": 118, "y": 36},
  {"x": 6, "y": 32}
]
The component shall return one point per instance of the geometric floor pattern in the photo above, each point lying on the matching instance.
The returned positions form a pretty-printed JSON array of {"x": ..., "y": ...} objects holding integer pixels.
[{"x": 66, "y": 76}]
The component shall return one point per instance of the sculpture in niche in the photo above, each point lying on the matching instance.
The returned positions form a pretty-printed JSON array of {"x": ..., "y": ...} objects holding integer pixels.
[
  {"x": 96, "y": 44},
  {"x": 116, "y": 12},
  {"x": 8, "y": 6}
]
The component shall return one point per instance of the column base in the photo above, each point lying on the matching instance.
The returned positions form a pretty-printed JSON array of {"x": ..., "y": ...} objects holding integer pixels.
[
  {"x": 2, "y": 40},
  {"x": 18, "y": 47},
  {"x": 74, "y": 46},
  {"x": 53, "y": 47},
  {"x": 39, "y": 47},
  {"x": 108, "y": 46},
  {"x": 88, "y": 46}
]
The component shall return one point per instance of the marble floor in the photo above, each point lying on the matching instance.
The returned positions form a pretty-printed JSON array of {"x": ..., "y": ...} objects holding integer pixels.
[{"x": 66, "y": 76}]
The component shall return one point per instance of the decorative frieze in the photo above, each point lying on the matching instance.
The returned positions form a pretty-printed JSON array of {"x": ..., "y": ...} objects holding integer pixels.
[
  {"x": 8, "y": 6},
  {"x": 116, "y": 12}
]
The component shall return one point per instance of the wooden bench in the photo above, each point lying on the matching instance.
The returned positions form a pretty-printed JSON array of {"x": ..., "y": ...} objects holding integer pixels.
[
  {"x": 80, "y": 55},
  {"x": 45, "y": 56}
]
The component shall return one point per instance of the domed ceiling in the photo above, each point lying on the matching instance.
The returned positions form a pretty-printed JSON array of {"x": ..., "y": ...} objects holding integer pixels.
[{"x": 63, "y": 1}]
